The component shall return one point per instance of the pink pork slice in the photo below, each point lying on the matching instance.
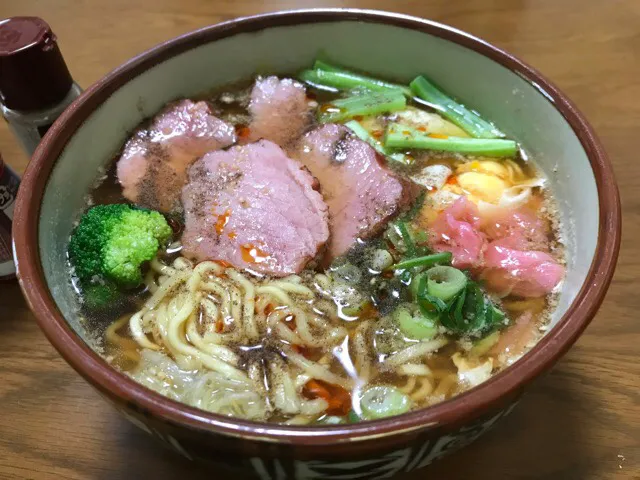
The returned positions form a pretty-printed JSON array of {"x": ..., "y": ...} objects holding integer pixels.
[
  {"x": 255, "y": 208},
  {"x": 279, "y": 110},
  {"x": 361, "y": 194},
  {"x": 455, "y": 230},
  {"x": 153, "y": 167}
]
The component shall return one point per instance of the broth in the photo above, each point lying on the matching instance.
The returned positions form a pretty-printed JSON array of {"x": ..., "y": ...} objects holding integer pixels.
[{"x": 306, "y": 351}]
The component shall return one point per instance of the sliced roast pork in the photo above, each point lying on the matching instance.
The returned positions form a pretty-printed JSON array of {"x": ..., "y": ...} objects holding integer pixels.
[
  {"x": 360, "y": 192},
  {"x": 456, "y": 230},
  {"x": 522, "y": 273},
  {"x": 255, "y": 208},
  {"x": 279, "y": 110},
  {"x": 152, "y": 168}
]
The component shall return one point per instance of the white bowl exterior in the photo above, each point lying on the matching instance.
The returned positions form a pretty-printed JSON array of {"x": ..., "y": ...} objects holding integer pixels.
[{"x": 520, "y": 109}]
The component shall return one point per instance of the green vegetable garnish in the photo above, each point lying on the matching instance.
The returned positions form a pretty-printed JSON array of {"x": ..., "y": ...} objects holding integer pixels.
[
  {"x": 466, "y": 119},
  {"x": 430, "y": 306},
  {"x": 348, "y": 81},
  {"x": 471, "y": 313},
  {"x": 353, "y": 417},
  {"x": 417, "y": 326},
  {"x": 409, "y": 244},
  {"x": 343, "y": 79},
  {"x": 111, "y": 243},
  {"x": 405, "y": 137},
  {"x": 445, "y": 282},
  {"x": 383, "y": 401},
  {"x": 425, "y": 261},
  {"x": 362, "y": 134},
  {"x": 361, "y": 105}
]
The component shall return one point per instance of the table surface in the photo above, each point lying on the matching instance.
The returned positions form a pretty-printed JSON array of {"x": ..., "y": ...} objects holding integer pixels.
[{"x": 581, "y": 421}]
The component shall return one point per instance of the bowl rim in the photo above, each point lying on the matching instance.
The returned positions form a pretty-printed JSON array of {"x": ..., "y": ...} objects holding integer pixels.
[{"x": 457, "y": 410}]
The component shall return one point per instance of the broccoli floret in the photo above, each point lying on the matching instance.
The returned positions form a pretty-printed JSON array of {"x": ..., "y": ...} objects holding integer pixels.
[{"x": 111, "y": 243}]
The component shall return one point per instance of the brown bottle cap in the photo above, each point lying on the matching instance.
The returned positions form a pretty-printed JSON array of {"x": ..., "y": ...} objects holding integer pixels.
[{"x": 33, "y": 74}]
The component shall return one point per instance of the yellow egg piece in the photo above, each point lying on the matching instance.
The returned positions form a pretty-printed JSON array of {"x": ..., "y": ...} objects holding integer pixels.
[
  {"x": 490, "y": 167},
  {"x": 482, "y": 186}
]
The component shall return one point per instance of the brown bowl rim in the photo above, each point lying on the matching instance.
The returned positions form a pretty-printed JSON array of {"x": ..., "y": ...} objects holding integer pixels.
[{"x": 455, "y": 411}]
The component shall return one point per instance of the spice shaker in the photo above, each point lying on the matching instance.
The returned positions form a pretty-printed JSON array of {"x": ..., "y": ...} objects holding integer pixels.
[
  {"x": 9, "y": 182},
  {"x": 35, "y": 83}
]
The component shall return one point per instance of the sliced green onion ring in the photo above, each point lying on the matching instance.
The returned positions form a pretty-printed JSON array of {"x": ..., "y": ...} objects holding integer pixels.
[
  {"x": 416, "y": 326},
  {"x": 384, "y": 401},
  {"x": 445, "y": 282}
]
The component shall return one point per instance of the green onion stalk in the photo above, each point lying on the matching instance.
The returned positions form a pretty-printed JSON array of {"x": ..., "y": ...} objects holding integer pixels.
[
  {"x": 404, "y": 137},
  {"x": 466, "y": 119}
]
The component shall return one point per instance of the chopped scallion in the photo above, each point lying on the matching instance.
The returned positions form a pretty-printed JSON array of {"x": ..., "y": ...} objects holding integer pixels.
[
  {"x": 344, "y": 79},
  {"x": 362, "y": 134},
  {"x": 361, "y": 105},
  {"x": 466, "y": 119},
  {"x": 417, "y": 326},
  {"x": 404, "y": 137},
  {"x": 426, "y": 261},
  {"x": 384, "y": 401},
  {"x": 445, "y": 282},
  {"x": 409, "y": 244}
]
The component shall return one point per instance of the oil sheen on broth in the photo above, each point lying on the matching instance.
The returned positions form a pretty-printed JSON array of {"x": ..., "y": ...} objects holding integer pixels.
[{"x": 338, "y": 251}]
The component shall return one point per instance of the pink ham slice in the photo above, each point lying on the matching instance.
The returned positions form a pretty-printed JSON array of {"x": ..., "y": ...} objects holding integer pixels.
[
  {"x": 523, "y": 273},
  {"x": 279, "y": 110},
  {"x": 521, "y": 229},
  {"x": 361, "y": 194},
  {"x": 255, "y": 208},
  {"x": 153, "y": 165},
  {"x": 456, "y": 230}
]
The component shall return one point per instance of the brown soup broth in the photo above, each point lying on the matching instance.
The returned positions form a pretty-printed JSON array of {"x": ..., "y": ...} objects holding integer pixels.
[{"x": 444, "y": 381}]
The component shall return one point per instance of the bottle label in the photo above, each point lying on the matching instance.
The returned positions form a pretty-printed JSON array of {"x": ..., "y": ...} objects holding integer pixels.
[
  {"x": 7, "y": 268},
  {"x": 9, "y": 183}
]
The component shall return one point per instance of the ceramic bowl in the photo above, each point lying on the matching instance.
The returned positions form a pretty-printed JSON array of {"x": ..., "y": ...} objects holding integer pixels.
[{"x": 504, "y": 89}]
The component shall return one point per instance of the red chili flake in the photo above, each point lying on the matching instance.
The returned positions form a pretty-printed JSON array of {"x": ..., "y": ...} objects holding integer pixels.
[
  {"x": 223, "y": 263},
  {"x": 337, "y": 397},
  {"x": 243, "y": 131},
  {"x": 222, "y": 221}
]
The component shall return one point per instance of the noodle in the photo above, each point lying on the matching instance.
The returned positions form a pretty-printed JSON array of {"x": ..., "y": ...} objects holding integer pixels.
[
  {"x": 424, "y": 391},
  {"x": 352, "y": 328},
  {"x": 417, "y": 350},
  {"x": 195, "y": 313},
  {"x": 410, "y": 369}
]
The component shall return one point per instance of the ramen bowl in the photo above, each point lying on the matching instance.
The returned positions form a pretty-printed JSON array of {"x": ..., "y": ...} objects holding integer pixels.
[{"x": 489, "y": 80}]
